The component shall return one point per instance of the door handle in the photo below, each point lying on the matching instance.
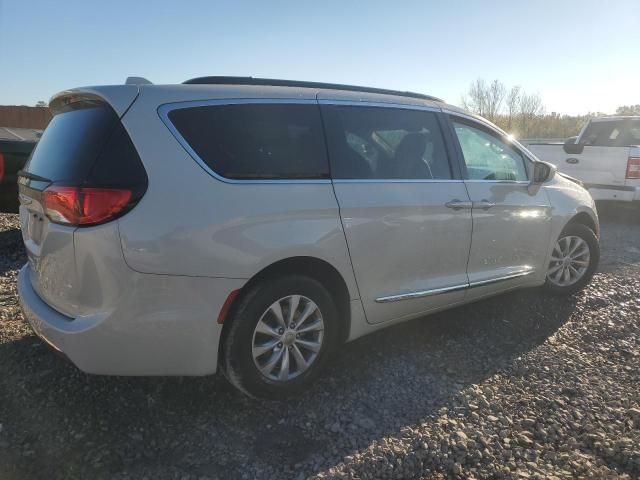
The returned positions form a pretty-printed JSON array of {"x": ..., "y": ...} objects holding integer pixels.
[
  {"x": 456, "y": 204},
  {"x": 484, "y": 204},
  {"x": 572, "y": 160}
]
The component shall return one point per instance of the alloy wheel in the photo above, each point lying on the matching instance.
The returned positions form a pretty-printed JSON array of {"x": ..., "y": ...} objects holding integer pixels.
[
  {"x": 288, "y": 337},
  {"x": 569, "y": 261}
]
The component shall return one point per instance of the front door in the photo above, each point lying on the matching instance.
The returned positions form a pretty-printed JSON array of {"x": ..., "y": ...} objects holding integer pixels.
[
  {"x": 406, "y": 219},
  {"x": 511, "y": 224}
]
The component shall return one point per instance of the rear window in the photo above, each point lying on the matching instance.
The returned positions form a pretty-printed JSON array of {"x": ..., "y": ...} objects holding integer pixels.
[
  {"x": 256, "y": 141},
  {"x": 72, "y": 142},
  {"x": 612, "y": 133},
  {"x": 634, "y": 132}
]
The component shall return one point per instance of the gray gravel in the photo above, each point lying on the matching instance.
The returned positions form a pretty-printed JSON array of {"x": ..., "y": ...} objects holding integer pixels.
[{"x": 519, "y": 386}]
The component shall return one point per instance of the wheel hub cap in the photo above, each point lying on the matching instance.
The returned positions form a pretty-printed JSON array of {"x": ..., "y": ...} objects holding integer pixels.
[{"x": 289, "y": 338}]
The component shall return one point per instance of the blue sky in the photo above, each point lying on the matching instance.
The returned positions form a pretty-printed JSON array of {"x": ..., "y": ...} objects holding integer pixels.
[{"x": 578, "y": 55}]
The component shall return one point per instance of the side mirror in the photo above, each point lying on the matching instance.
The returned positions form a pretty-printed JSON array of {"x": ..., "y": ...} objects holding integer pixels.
[
  {"x": 543, "y": 172},
  {"x": 572, "y": 147}
]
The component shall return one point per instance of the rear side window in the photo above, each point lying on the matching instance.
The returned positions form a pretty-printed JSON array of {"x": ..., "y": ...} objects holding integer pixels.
[
  {"x": 256, "y": 141},
  {"x": 86, "y": 144},
  {"x": 71, "y": 143},
  {"x": 384, "y": 143},
  {"x": 612, "y": 133}
]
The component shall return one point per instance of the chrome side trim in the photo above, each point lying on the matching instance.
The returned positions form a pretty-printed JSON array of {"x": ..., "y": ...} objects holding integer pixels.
[
  {"x": 508, "y": 182},
  {"x": 520, "y": 273},
  {"x": 394, "y": 180},
  {"x": 165, "y": 109},
  {"x": 438, "y": 291},
  {"x": 424, "y": 293}
]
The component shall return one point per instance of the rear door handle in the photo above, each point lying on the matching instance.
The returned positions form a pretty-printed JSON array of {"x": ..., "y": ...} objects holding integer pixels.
[
  {"x": 484, "y": 204},
  {"x": 572, "y": 160},
  {"x": 458, "y": 204}
]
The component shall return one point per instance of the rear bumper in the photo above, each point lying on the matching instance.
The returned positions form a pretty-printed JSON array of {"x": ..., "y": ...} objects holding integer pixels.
[
  {"x": 46, "y": 322},
  {"x": 614, "y": 193},
  {"x": 164, "y": 326}
]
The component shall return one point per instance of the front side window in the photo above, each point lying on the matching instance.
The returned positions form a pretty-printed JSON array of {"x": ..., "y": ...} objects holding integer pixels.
[
  {"x": 256, "y": 141},
  {"x": 487, "y": 157},
  {"x": 384, "y": 143}
]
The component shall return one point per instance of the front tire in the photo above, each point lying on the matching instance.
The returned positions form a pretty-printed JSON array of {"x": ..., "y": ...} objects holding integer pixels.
[
  {"x": 280, "y": 336},
  {"x": 574, "y": 260}
]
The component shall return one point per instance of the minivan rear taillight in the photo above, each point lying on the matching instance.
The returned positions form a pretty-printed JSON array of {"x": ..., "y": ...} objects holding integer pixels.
[
  {"x": 84, "y": 205},
  {"x": 633, "y": 168}
]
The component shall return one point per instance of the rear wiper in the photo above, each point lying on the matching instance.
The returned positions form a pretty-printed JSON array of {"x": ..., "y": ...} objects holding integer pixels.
[{"x": 32, "y": 176}]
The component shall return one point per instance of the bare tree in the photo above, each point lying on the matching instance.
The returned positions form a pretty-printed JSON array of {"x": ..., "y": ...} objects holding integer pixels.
[
  {"x": 517, "y": 111},
  {"x": 494, "y": 98},
  {"x": 512, "y": 101},
  {"x": 485, "y": 100},
  {"x": 476, "y": 99},
  {"x": 530, "y": 106}
]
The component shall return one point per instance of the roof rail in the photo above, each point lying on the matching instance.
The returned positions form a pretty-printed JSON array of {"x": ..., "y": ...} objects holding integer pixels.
[{"x": 272, "y": 82}]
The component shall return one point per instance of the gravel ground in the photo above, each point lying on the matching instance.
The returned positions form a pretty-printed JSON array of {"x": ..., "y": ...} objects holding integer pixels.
[{"x": 519, "y": 386}]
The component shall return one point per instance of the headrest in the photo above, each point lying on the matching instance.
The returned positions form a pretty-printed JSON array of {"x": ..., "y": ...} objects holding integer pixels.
[{"x": 413, "y": 144}]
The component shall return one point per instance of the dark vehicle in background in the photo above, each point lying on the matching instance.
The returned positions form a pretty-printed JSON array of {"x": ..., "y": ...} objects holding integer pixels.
[{"x": 16, "y": 144}]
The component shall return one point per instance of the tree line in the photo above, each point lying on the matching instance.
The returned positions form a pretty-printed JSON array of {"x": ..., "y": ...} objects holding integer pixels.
[{"x": 523, "y": 114}]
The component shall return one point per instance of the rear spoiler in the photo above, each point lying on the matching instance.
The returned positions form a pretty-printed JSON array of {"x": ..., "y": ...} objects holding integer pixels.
[{"x": 119, "y": 97}]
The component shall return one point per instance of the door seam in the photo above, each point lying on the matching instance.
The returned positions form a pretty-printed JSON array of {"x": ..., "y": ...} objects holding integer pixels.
[{"x": 344, "y": 231}]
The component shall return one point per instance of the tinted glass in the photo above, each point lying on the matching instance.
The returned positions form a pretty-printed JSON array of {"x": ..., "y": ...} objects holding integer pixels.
[
  {"x": 487, "y": 157},
  {"x": 256, "y": 141},
  {"x": 384, "y": 143},
  {"x": 634, "y": 132},
  {"x": 118, "y": 164},
  {"x": 71, "y": 143},
  {"x": 612, "y": 133}
]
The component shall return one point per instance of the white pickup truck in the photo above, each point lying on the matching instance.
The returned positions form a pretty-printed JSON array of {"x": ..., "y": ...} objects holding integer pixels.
[{"x": 605, "y": 157}]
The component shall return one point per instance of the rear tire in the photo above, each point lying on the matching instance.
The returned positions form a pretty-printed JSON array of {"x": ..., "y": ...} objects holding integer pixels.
[
  {"x": 267, "y": 358},
  {"x": 569, "y": 269}
]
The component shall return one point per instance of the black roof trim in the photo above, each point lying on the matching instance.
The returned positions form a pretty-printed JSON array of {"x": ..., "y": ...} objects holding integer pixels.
[{"x": 272, "y": 82}]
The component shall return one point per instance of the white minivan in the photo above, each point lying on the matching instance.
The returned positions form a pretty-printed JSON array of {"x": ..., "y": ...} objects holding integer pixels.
[{"x": 258, "y": 224}]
